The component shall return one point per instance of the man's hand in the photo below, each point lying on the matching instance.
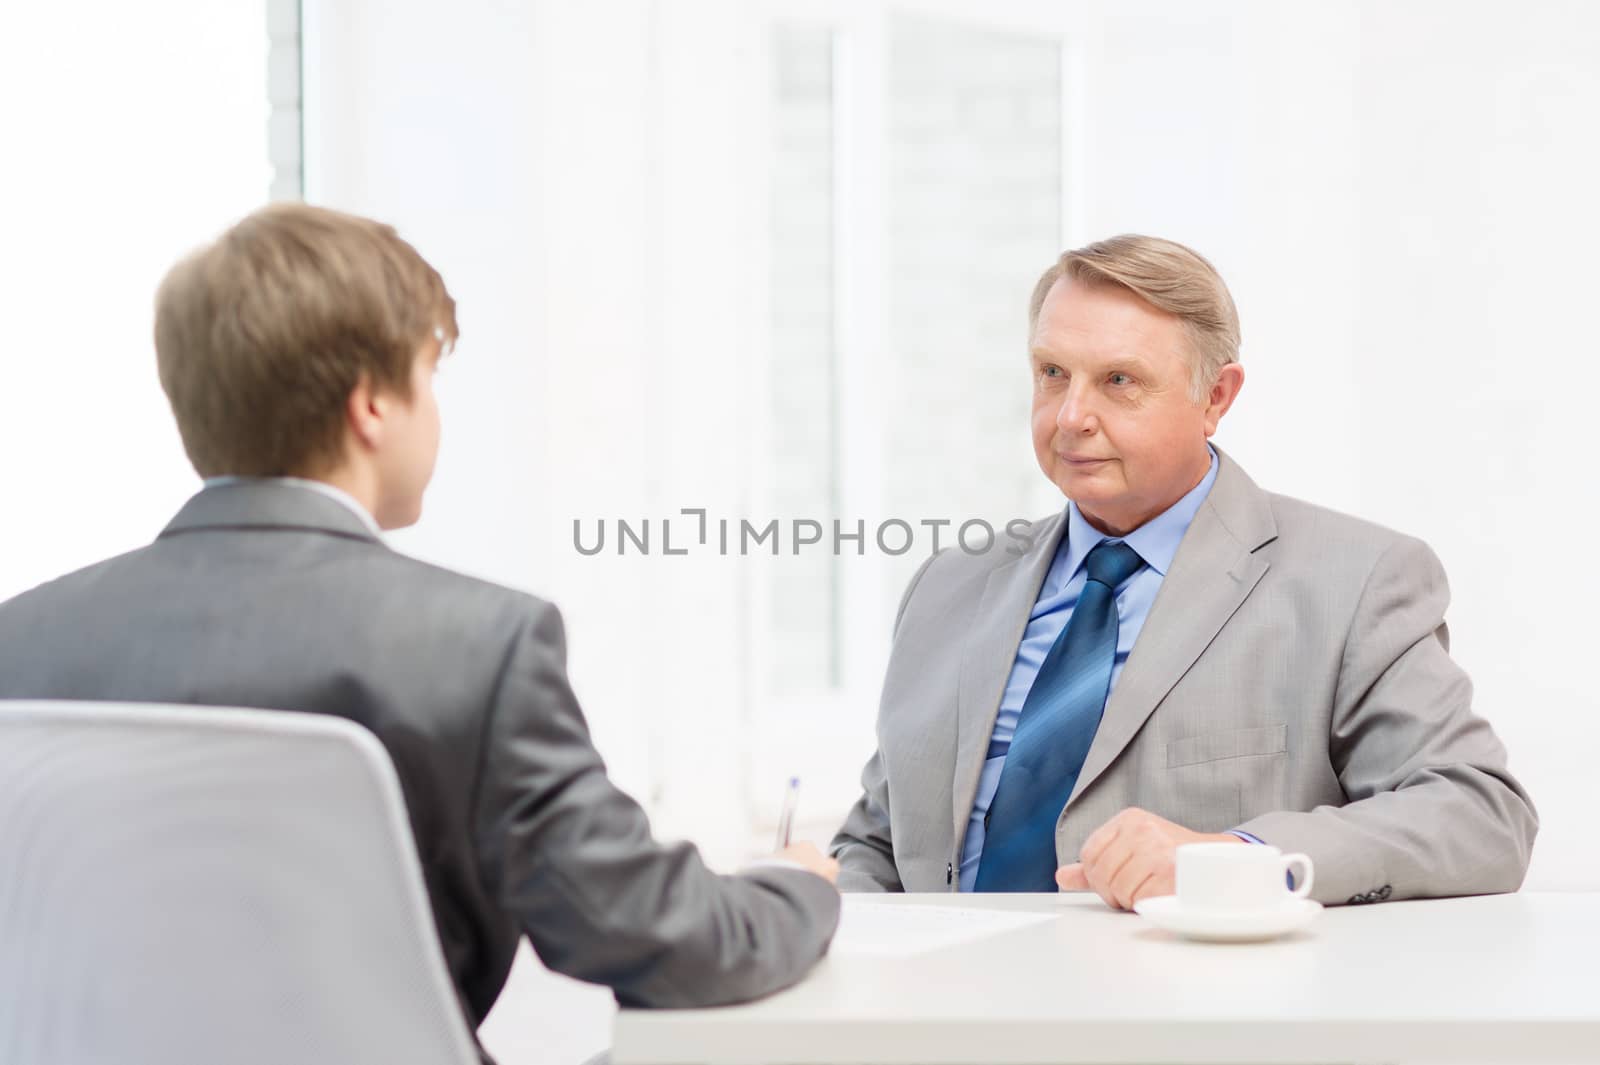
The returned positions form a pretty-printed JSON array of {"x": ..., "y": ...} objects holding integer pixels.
[
  {"x": 1133, "y": 856},
  {"x": 804, "y": 854}
]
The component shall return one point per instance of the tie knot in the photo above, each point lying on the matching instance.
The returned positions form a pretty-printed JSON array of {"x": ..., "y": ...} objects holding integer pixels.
[{"x": 1111, "y": 564}]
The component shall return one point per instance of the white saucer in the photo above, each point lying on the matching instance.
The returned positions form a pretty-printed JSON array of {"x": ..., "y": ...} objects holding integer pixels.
[{"x": 1227, "y": 926}]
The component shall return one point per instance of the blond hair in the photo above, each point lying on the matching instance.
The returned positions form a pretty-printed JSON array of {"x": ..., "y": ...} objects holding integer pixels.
[
  {"x": 1169, "y": 277},
  {"x": 262, "y": 335}
]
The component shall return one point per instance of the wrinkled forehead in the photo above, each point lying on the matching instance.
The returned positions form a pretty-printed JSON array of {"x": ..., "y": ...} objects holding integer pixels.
[{"x": 1102, "y": 324}]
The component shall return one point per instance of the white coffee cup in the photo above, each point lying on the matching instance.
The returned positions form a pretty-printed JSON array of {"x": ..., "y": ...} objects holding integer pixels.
[{"x": 1239, "y": 876}]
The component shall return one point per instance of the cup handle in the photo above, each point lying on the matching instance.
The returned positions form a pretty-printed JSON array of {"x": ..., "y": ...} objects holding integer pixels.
[{"x": 1302, "y": 883}]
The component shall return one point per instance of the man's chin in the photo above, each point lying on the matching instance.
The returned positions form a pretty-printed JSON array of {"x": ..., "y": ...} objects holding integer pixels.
[{"x": 1084, "y": 485}]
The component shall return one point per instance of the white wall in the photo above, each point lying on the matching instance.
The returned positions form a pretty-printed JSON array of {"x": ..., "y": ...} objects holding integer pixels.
[
  {"x": 1401, "y": 195},
  {"x": 1398, "y": 199},
  {"x": 570, "y": 170},
  {"x": 1480, "y": 366},
  {"x": 125, "y": 147}
]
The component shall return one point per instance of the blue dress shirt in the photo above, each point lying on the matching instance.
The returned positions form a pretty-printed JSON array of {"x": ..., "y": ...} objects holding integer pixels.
[{"x": 1157, "y": 542}]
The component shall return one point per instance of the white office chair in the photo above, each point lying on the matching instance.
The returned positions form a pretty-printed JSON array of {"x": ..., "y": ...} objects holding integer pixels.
[{"x": 196, "y": 886}]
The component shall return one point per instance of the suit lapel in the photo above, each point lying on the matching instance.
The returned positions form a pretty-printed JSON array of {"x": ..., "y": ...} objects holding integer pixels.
[
  {"x": 1212, "y": 574},
  {"x": 991, "y": 648}
]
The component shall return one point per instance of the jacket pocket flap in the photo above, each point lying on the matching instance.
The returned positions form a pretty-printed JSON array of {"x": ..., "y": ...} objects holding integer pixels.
[{"x": 1233, "y": 743}]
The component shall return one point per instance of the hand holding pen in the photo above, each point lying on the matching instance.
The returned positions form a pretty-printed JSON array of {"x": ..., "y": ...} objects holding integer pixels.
[{"x": 802, "y": 854}]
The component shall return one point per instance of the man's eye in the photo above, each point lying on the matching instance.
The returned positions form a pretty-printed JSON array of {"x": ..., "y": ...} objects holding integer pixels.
[
  {"x": 1051, "y": 371},
  {"x": 1120, "y": 379}
]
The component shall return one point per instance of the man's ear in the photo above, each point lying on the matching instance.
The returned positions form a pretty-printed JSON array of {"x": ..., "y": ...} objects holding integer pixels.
[
  {"x": 364, "y": 410},
  {"x": 1223, "y": 392}
]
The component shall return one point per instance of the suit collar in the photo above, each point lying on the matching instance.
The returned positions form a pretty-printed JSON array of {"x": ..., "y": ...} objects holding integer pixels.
[
  {"x": 1243, "y": 509},
  {"x": 323, "y": 488},
  {"x": 267, "y": 504}
]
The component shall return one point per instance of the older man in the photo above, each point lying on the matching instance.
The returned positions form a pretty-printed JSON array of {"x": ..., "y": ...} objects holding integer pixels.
[{"x": 1178, "y": 656}]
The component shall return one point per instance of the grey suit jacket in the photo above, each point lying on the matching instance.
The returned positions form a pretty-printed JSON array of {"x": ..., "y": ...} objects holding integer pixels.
[
  {"x": 268, "y": 595},
  {"x": 1292, "y": 680}
]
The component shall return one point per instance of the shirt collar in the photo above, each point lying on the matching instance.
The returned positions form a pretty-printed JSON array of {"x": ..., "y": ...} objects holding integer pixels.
[
  {"x": 1156, "y": 540},
  {"x": 338, "y": 495}
]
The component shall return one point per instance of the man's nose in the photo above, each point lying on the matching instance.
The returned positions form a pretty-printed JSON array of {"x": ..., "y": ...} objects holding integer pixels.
[{"x": 1076, "y": 415}]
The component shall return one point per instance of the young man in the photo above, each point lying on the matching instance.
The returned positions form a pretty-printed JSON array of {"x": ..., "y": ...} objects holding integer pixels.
[{"x": 298, "y": 353}]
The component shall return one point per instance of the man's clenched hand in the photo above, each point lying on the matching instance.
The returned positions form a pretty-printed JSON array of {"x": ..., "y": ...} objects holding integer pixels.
[{"x": 1133, "y": 856}]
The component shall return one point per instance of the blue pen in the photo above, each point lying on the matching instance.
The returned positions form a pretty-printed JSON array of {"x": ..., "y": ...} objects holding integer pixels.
[{"x": 791, "y": 798}]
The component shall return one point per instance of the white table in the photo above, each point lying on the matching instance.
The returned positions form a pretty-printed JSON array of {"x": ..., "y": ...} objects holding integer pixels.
[{"x": 1511, "y": 979}]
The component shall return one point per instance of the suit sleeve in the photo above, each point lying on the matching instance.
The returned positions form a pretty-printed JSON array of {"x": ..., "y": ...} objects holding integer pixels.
[
  {"x": 572, "y": 858},
  {"x": 1433, "y": 810},
  {"x": 863, "y": 846}
]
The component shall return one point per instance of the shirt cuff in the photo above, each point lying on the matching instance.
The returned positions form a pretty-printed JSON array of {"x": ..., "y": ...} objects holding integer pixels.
[{"x": 1248, "y": 838}]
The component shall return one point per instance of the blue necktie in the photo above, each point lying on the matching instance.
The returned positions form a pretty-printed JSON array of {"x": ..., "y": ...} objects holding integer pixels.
[{"x": 1054, "y": 729}]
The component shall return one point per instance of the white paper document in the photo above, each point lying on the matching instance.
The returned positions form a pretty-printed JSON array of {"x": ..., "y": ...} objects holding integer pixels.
[{"x": 886, "y": 930}]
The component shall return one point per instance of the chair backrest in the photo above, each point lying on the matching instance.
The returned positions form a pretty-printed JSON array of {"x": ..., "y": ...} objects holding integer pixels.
[{"x": 183, "y": 885}]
